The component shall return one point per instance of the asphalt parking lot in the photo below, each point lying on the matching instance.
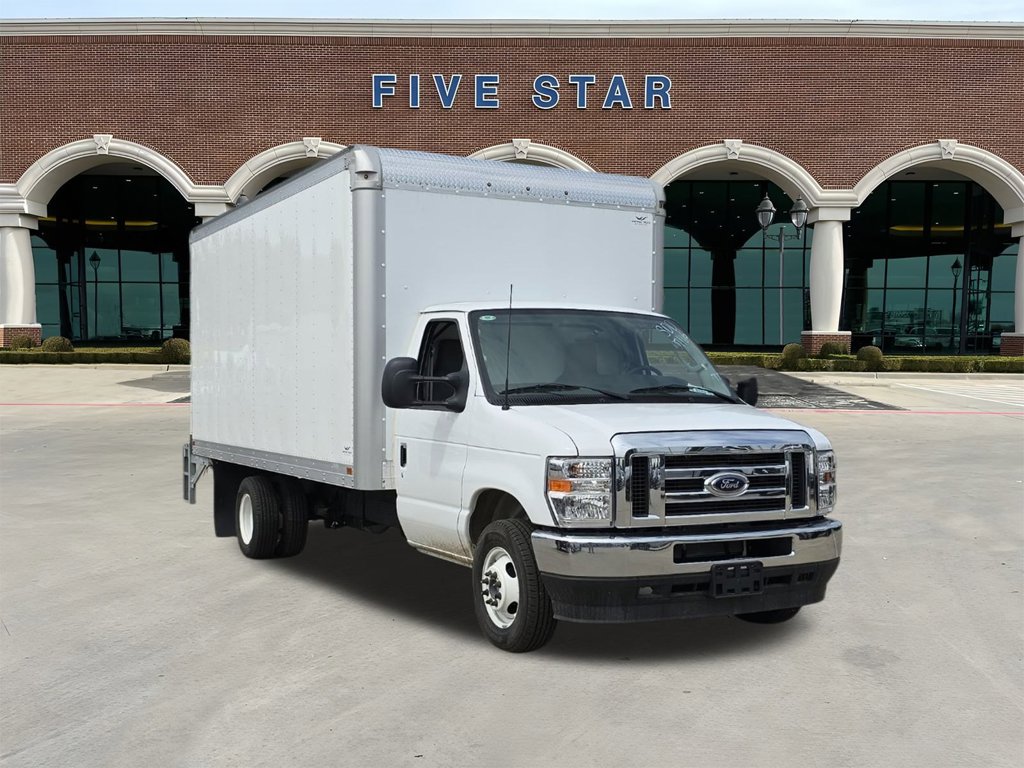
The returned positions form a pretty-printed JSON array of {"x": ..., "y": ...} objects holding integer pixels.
[{"x": 132, "y": 636}]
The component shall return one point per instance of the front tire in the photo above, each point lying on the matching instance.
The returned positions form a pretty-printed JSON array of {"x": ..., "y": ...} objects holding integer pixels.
[
  {"x": 769, "y": 617},
  {"x": 511, "y": 604}
]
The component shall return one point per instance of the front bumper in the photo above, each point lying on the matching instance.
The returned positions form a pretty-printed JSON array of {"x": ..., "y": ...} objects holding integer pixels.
[{"x": 597, "y": 577}]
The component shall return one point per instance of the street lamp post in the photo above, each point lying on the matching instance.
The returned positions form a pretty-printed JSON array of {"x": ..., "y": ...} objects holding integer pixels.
[
  {"x": 94, "y": 262},
  {"x": 765, "y": 217},
  {"x": 955, "y": 268}
]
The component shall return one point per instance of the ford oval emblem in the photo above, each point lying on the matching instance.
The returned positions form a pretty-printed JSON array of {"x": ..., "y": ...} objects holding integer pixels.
[{"x": 726, "y": 484}]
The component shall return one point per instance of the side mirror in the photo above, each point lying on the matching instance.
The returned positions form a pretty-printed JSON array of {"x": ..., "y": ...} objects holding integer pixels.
[
  {"x": 400, "y": 386},
  {"x": 397, "y": 387},
  {"x": 747, "y": 391}
]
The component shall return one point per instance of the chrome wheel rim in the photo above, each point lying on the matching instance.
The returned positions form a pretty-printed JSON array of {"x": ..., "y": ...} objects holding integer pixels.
[
  {"x": 245, "y": 524},
  {"x": 499, "y": 588}
]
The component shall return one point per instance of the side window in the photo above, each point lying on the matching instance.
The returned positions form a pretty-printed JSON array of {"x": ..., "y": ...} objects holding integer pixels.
[{"x": 440, "y": 354}]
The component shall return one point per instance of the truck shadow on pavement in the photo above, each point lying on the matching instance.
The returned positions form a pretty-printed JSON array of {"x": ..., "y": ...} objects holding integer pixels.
[{"x": 383, "y": 571}]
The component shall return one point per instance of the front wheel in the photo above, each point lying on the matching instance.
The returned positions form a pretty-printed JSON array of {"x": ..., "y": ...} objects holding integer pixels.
[
  {"x": 770, "y": 617},
  {"x": 511, "y": 604}
]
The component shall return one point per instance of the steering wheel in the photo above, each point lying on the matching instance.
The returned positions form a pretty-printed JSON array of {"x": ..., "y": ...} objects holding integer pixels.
[{"x": 648, "y": 370}]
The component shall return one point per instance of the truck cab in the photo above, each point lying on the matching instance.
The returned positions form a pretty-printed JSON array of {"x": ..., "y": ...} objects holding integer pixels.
[{"x": 591, "y": 464}]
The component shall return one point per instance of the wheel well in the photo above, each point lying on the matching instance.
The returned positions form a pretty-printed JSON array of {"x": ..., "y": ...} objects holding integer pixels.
[{"x": 490, "y": 506}]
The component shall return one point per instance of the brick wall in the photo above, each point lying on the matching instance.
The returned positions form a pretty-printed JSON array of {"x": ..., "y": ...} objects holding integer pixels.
[
  {"x": 8, "y": 333},
  {"x": 838, "y": 106}
]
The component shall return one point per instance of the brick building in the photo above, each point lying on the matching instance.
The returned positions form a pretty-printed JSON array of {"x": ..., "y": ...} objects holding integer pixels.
[{"x": 904, "y": 140}]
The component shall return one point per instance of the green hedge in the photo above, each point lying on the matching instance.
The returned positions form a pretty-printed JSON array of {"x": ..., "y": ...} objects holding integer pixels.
[
  {"x": 67, "y": 358},
  {"x": 759, "y": 359}
]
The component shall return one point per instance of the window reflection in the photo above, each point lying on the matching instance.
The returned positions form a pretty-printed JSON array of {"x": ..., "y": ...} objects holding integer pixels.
[
  {"x": 930, "y": 279},
  {"x": 111, "y": 260}
]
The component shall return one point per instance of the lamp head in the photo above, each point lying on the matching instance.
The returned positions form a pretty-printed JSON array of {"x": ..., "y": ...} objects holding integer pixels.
[
  {"x": 955, "y": 268},
  {"x": 798, "y": 213},
  {"x": 765, "y": 212}
]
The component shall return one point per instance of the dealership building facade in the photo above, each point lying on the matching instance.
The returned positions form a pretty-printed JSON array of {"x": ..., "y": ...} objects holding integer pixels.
[{"x": 905, "y": 142}]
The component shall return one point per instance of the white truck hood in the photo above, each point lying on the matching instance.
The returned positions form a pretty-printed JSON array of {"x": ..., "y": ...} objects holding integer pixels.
[{"x": 592, "y": 426}]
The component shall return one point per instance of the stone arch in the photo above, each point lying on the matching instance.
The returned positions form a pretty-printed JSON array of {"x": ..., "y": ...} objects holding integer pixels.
[
  {"x": 1000, "y": 179},
  {"x": 786, "y": 173},
  {"x": 258, "y": 171},
  {"x": 40, "y": 182},
  {"x": 525, "y": 149}
]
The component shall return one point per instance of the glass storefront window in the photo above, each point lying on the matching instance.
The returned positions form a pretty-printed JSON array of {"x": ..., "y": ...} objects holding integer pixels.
[
  {"x": 105, "y": 260},
  {"x": 930, "y": 284},
  {"x": 719, "y": 276}
]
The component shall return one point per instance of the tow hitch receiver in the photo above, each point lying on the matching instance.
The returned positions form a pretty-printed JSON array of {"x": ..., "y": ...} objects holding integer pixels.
[{"x": 735, "y": 579}]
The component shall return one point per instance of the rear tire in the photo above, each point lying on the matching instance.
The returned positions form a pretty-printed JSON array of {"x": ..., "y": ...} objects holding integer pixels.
[
  {"x": 257, "y": 517},
  {"x": 769, "y": 617},
  {"x": 294, "y": 518},
  {"x": 511, "y": 604}
]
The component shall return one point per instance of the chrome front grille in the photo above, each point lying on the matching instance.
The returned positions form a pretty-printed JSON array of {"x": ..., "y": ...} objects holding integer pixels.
[{"x": 765, "y": 477}]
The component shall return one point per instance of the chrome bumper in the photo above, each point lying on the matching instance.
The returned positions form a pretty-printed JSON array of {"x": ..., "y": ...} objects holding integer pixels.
[{"x": 611, "y": 556}]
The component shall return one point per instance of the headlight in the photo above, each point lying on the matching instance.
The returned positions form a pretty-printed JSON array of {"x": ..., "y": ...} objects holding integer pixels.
[
  {"x": 826, "y": 481},
  {"x": 580, "y": 490}
]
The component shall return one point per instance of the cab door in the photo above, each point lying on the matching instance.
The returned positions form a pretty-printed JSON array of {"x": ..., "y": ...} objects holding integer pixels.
[{"x": 431, "y": 447}]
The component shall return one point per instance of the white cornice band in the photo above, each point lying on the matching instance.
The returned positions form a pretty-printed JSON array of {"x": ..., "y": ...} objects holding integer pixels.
[{"x": 512, "y": 28}]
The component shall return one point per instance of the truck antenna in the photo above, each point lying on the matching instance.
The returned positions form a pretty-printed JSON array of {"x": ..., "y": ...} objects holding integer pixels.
[{"x": 508, "y": 346}]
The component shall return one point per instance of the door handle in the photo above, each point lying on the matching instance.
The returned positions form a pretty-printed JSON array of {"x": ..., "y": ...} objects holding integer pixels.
[{"x": 402, "y": 455}]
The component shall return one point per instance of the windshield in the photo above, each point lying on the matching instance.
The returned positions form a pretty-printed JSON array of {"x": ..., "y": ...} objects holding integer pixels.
[{"x": 559, "y": 355}]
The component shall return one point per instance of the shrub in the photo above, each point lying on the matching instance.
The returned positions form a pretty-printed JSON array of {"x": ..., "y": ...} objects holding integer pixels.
[
  {"x": 792, "y": 354},
  {"x": 1004, "y": 365},
  {"x": 814, "y": 364},
  {"x": 849, "y": 364},
  {"x": 57, "y": 344},
  {"x": 830, "y": 348},
  {"x": 176, "y": 351},
  {"x": 23, "y": 342},
  {"x": 870, "y": 354}
]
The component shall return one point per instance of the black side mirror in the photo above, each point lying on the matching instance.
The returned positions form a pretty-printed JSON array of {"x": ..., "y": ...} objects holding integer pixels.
[
  {"x": 397, "y": 388},
  {"x": 400, "y": 383},
  {"x": 747, "y": 391}
]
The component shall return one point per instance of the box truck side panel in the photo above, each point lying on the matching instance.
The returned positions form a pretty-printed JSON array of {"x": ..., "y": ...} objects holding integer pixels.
[
  {"x": 447, "y": 248},
  {"x": 273, "y": 332}
]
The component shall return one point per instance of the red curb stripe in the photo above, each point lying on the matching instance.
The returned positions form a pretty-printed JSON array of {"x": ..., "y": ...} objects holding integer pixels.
[
  {"x": 92, "y": 405},
  {"x": 904, "y": 412}
]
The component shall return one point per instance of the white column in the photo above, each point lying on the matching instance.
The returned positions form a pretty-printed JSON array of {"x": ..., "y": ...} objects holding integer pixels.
[
  {"x": 826, "y": 275},
  {"x": 17, "y": 277},
  {"x": 1018, "y": 290}
]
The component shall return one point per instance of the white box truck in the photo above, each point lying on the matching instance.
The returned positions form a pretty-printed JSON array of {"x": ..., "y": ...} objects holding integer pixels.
[{"x": 357, "y": 359}]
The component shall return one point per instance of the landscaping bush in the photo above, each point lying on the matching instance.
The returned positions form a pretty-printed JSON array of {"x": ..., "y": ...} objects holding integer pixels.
[
  {"x": 22, "y": 357},
  {"x": 830, "y": 348},
  {"x": 745, "y": 358},
  {"x": 814, "y": 364},
  {"x": 23, "y": 342},
  {"x": 872, "y": 357},
  {"x": 792, "y": 354},
  {"x": 176, "y": 351},
  {"x": 849, "y": 364},
  {"x": 1002, "y": 365},
  {"x": 57, "y": 344}
]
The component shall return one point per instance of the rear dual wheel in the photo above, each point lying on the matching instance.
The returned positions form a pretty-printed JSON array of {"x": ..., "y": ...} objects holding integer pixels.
[{"x": 271, "y": 518}]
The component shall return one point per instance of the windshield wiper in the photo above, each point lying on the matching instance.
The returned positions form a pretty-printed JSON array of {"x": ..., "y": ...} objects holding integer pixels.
[
  {"x": 682, "y": 388},
  {"x": 559, "y": 387}
]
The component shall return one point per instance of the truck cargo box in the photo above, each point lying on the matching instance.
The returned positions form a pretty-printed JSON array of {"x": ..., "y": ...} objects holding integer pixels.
[{"x": 301, "y": 295}]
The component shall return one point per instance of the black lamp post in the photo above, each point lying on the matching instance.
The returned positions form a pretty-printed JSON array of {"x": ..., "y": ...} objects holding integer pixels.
[
  {"x": 94, "y": 262},
  {"x": 955, "y": 268},
  {"x": 765, "y": 216}
]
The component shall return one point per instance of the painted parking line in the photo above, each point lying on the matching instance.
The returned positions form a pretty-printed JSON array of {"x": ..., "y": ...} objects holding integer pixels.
[{"x": 1003, "y": 394}]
